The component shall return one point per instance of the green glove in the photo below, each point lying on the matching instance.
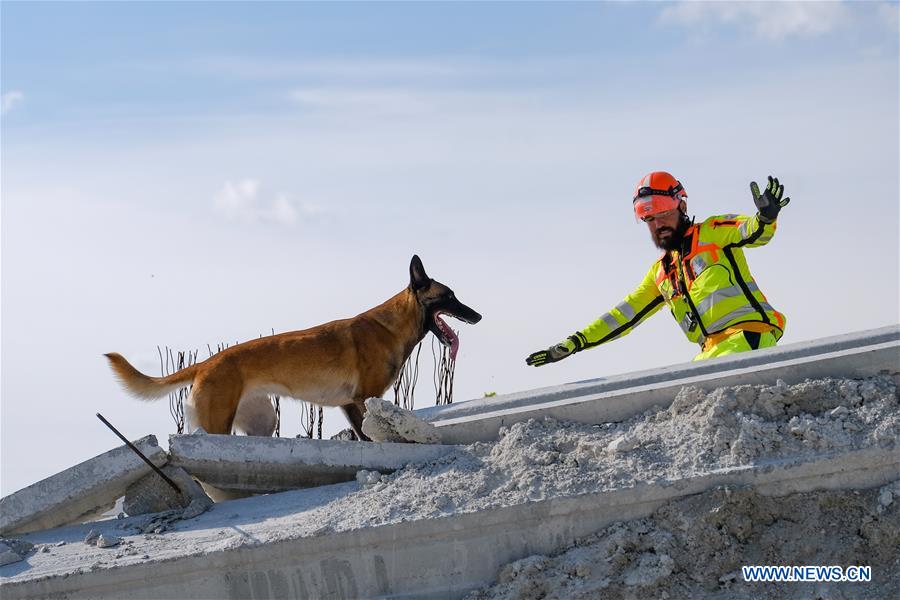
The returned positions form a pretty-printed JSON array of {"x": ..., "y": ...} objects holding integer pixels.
[
  {"x": 550, "y": 355},
  {"x": 769, "y": 202}
]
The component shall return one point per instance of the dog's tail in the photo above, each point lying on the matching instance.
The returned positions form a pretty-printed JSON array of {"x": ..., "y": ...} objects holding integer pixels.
[{"x": 144, "y": 386}]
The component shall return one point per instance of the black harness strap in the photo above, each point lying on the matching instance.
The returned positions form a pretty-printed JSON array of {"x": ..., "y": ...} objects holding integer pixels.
[{"x": 740, "y": 279}]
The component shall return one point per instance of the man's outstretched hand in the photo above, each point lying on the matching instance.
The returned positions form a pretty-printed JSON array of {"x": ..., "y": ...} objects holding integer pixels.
[
  {"x": 769, "y": 202},
  {"x": 550, "y": 355}
]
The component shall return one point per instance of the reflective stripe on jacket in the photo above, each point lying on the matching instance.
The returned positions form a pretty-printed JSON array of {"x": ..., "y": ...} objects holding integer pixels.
[{"x": 707, "y": 286}]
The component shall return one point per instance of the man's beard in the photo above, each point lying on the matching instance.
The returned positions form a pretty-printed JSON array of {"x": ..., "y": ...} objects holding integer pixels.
[{"x": 673, "y": 241}]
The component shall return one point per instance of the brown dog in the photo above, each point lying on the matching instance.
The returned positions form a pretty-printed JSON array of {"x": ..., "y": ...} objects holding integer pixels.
[{"x": 341, "y": 363}]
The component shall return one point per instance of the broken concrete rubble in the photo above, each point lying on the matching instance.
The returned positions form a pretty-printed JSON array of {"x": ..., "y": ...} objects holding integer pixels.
[
  {"x": 695, "y": 547},
  {"x": 12, "y": 551},
  {"x": 386, "y": 422},
  {"x": 619, "y": 397},
  {"x": 538, "y": 489},
  {"x": 259, "y": 464},
  {"x": 91, "y": 538},
  {"x": 8, "y": 555},
  {"x": 162, "y": 521},
  {"x": 104, "y": 541},
  {"x": 86, "y": 489},
  {"x": 324, "y": 539},
  {"x": 153, "y": 494},
  {"x": 623, "y": 443}
]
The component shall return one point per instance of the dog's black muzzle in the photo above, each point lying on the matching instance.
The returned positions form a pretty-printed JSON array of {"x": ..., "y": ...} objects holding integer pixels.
[{"x": 458, "y": 310}]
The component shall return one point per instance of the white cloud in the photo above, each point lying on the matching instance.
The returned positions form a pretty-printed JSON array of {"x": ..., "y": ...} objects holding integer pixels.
[
  {"x": 369, "y": 70},
  {"x": 11, "y": 100},
  {"x": 889, "y": 15},
  {"x": 238, "y": 201},
  {"x": 283, "y": 210},
  {"x": 369, "y": 100},
  {"x": 242, "y": 202},
  {"x": 768, "y": 20}
]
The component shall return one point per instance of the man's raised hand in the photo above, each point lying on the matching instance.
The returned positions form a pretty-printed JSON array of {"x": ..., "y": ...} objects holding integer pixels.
[{"x": 769, "y": 202}]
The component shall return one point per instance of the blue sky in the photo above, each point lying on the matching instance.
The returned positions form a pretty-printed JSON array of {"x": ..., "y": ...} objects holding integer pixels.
[
  {"x": 186, "y": 174},
  {"x": 82, "y": 62}
]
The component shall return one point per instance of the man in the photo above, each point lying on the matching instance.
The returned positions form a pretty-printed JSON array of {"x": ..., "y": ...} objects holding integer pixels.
[{"x": 702, "y": 276}]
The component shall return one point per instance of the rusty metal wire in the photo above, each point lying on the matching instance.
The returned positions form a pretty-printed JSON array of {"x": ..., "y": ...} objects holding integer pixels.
[
  {"x": 444, "y": 370},
  {"x": 307, "y": 419},
  {"x": 405, "y": 386},
  {"x": 173, "y": 363},
  {"x": 277, "y": 402}
]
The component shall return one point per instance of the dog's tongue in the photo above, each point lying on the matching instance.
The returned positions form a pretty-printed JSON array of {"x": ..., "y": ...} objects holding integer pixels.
[
  {"x": 447, "y": 331},
  {"x": 454, "y": 345}
]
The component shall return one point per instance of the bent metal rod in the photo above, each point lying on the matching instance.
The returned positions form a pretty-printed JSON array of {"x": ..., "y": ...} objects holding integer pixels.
[{"x": 139, "y": 453}]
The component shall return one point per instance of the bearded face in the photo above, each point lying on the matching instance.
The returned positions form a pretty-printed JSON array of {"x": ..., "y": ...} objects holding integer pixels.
[{"x": 667, "y": 229}]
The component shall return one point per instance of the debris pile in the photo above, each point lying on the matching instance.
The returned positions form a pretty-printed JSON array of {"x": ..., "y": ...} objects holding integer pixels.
[
  {"x": 13, "y": 550},
  {"x": 699, "y": 432},
  {"x": 696, "y": 547},
  {"x": 691, "y": 547}
]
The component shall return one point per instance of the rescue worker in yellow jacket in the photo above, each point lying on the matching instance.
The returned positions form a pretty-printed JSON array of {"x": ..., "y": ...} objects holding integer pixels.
[{"x": 702, "y": 276}]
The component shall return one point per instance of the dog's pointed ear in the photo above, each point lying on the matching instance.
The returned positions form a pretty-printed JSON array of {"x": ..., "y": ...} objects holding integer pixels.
[{"x": 418, "y": 278}]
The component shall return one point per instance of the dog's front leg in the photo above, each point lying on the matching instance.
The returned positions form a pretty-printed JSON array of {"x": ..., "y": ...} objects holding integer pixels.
[{"x": 355, "y": 412}]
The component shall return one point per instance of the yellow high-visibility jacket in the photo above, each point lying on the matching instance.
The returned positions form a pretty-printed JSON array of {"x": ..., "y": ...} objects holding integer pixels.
[{"x": 709, "y": 288}]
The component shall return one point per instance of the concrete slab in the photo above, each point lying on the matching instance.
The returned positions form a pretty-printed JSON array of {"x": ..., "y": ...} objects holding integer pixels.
[
  {"x": 13, "y": 551},
  {"x": 151, "y": 494},
  {"x": 427, "y": 558},
  {"x": 261, "y": 464},
  {"x": 91, "y": 486},
  {"x": 616, "y": 398}
]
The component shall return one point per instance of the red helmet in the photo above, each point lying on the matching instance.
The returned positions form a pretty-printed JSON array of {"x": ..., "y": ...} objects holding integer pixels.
[{"x": 656, "y": 193}]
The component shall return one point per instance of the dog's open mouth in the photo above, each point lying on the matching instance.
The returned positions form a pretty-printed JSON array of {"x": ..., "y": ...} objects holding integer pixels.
[{"x": 446, "y": 335}]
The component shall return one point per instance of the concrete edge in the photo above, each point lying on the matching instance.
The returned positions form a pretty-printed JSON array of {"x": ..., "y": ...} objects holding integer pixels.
[
  {"x": 621, "y": 404},
  {"x": 260, "y": 464},
  {"x": 748, "y": 360}
]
